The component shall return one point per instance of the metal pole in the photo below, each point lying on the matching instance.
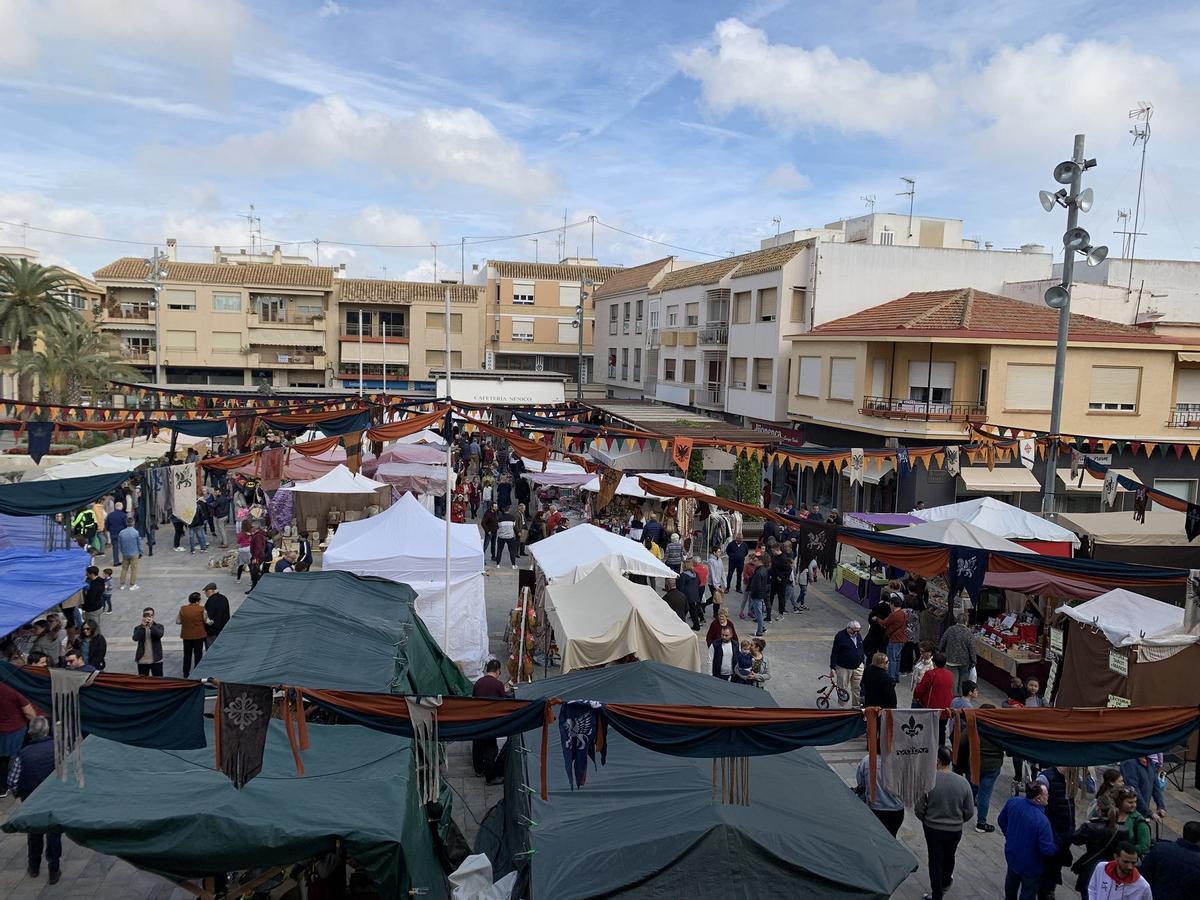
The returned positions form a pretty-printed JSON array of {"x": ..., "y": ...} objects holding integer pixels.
[
  {"x": 1064, "y": 321},
  {"x": 449, "y": 468},
  {"x": 383, "y": 331},
  {"x": 360, "y": 351}
]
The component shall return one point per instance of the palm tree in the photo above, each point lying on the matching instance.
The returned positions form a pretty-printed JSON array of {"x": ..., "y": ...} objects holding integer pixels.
[
  {"x": 74, "y": 357},
  {"x": 33, "y": 302}
]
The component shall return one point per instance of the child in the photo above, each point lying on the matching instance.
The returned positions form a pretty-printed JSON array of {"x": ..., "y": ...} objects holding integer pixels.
[
  {"x": 744, "y": 662},
  {"x": 108, "y": 573},
  {"x": 924, "y": 664},
  {"x": 760, "y": 671}
]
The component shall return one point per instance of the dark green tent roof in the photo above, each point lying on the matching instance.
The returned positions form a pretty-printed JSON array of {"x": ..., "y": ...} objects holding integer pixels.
[
  {"x": 646, "y": 824},
  {"x": 332, "y": 630},
  {"x": 175, "y": 814}
]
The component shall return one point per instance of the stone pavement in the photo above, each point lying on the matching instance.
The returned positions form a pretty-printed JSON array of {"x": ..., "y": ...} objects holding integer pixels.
[{"x": 798, "y": 649}]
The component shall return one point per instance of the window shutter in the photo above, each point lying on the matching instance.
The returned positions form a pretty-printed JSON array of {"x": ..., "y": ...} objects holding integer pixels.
[
  {"x": 737, "y": 372},
  {"x": 809, "y": 381},
  {"x": 1115, "y": 387},
  {"x": 762, "y": 374},
  {"x": 841, "y": 378},
  {"x": 942, "y": 375},
  {"x": 1188, "y": 389},
  {"x": 1028, "y": 387}
]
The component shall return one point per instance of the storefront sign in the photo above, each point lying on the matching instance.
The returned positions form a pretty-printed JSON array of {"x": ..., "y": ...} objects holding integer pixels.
[
  {"x": 791, "y": 435},
  {"x": 1056, "y": 640},
  {"x": 1115, "y": 701},
  {"x": 1118, "y": 663}
]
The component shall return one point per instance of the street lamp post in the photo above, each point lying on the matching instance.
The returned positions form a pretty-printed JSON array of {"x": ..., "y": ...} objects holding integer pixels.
[
  {"x": 584, "y": 284},
  {"x": 1075, "y": 240},
  {"x": 157, "y": 266}
]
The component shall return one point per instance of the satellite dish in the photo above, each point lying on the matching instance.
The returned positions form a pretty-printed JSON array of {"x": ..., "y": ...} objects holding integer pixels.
[
  {"x": 1066, "y": 171},
  {"x": 1057, "y": 297},
  {"x": 1076, "y": 239}
]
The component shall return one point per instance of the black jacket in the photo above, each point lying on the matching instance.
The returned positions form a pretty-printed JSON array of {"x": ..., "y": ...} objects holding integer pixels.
[
  {"x": 93, "y": 595},
  {"x": 847, "y": 651},
  {"x": 96, "y": 651},
  {"x": 760, "y": 584},
  {"x": 689, "y": 584},
  {"x": 1173, "y": 869},
  {"x": 781, "y": 568},
  {"x": 677, "y": 600},
  {"x": 156, "y": 633},
  {"x": 217, "y": 607},
  {"x": 737, "y": 550},
  {"x": 37, "y": 762},
  {"x": 878, "y": 689}
]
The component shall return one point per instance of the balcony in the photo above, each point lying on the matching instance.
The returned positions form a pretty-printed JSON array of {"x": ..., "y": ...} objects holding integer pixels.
[
  {"x": 136, "y": 355},
  {"x": 292, "y": 320},
  {"x": 284, "y": 359},
  {"x": 896, "y": 408},
  {"x": 710, "y": 394},
  {"x": 714, "y": 335},
  {"x": 126, "y": 313},
  {"x": 1185, "y": 415},
  {"x": 391, "y": 332},
  {"x": 654, "y": 339}
]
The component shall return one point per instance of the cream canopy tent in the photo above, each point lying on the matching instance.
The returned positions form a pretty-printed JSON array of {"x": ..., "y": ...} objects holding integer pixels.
[
  {"x": 1127, "y": 618},
  {"x": 558, "y": 473},
  {"x": 1000, "y": 519},
  {"x": 605, "y": 617},
  {"x": 407, "y": 543},
  {"x": 958, "y": 533},
  {"x": 570, "y": 555},
  {"x": 630, "y": 487},
  {"x": 99, "y": 465},
  {"x": 338, "y": 489},
  {"x": 424, "y": 436}
]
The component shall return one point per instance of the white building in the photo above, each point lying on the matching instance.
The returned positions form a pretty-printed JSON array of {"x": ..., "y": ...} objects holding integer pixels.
[{"x": 625, "y": 354}]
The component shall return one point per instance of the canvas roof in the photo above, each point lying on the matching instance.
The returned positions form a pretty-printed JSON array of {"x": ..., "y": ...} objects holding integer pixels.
[
  {"x": 1162, "y": 528},
  {"x": 572, "y": 554},
  {"x": 35, "y": 581},
  {"x": 406, "y": 528},
  {"x": 424, "y": 436},
  {"x": 98, "y": 465},
  {"x": 605, "y": 617},
  {"x": 1001, "y": 480},
  {"x": 1001, "y": 519},
  {"x": 1127, "y": 618},
  {"x": 646, "y": 823},
  {"x": 630, "y": 487},
  {"x": 959, "y": 533},
  {"x": 339, "y": 480},
  {"x": 559, "y": 472}
]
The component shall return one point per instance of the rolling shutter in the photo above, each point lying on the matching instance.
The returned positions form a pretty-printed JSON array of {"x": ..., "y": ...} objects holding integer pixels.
[
  {"x": 809, "y": 381},
  {"x": 1028, "y": 387},
  {"x": 841, "y": 378}
]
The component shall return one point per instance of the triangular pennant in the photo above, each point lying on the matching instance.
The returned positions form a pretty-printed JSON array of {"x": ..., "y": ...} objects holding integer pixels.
[{"x": 1149, "y": 448}]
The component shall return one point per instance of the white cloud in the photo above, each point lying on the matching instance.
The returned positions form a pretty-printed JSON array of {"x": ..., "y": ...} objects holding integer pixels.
[
  {"x": 429, "y": 146},
  {"x": 795, "y": 88},
  {"x": 331, "y": 8},
  {"x": 785, "y": 178}
]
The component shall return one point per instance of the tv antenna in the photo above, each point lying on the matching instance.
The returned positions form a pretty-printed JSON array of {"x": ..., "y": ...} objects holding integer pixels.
[
  {"x": 1141, "y": 132},
  {"x": 869, "y": 201},
  {"x": 776, "y": 221},
  {"x": 910, "y": 194},
  {"x": 255, "y": 224}
]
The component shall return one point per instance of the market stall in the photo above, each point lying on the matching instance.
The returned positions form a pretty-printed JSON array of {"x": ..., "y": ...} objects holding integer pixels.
[
  {"x": 570, "y": 555},
  {"x": 396, "y": 452},
  {"x": 415, "y": 478},
  {"x": 337, "y": 496},
  {"x": 630, "y": 499},
  {"x": 1004, "y": 520},
  {"x": 878, "y": 521},
  {"x": 1160, "y": 540},
  {"x": 606, "y": 618}
]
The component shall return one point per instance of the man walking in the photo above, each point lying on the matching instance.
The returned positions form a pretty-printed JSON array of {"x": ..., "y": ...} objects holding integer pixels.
[
  {"x": 943, "y": 812},
  {"x": 723, "y": 656},
  {"x": 737, "y": 551},
  {"x": 846, "y": 662},
  {"x": 147, "y": 638},
  {"x": 130, "y": 544},
  {"x": 1028, "y": 842},
  {"x": 690, "y": 585},
  {"x": 114, "y": 524},
  {"x": 1141, "y": 774},
  {"x": 216, "y": 607},
  {"x": 759, "y": 589},
  {"x": 28, "y": 770},
  {"x": 484, "y": 752},
  {"x": 193, "y": 622},
  {"x": 1119, "y": 879}
]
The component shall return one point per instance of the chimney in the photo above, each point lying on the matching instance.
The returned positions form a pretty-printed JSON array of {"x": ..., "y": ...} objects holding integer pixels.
[
  {"x": 277, "y": 256},
  {"x": 171, "y": 247},
  {"x": 217, "y": 253}
]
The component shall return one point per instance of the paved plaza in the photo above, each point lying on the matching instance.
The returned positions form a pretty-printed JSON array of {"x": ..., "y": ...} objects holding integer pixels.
[{"x": 798, "y": 649}]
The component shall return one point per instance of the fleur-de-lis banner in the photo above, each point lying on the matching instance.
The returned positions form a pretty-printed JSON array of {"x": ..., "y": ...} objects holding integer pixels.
[
  {"x": 857, "y": 462},
  {"x": 681, "y": 452}
]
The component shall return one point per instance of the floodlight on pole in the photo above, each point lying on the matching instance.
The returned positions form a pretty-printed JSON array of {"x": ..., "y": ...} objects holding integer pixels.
[
  {"x": 1096, "y": 255},
  {"x": 1067, "y": 171},
  {"x": 1076, "y": 239},
  {"x": 1048, "y": 200},
  {"x": 1085, "y": 199}
]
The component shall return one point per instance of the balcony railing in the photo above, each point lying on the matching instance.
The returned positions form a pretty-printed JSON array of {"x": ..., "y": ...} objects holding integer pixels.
[
  {"x": 390, "y": 331},
  {"x": 654, "y": 342},
  {"x": 1185, "y": 415},
  {"x": 135, "y": 354},
  {"x": 711, "y": 394},
  {"x": 897, "y": 408},
  {"x": 714, "y": 334},
  {"x": 135, "y": 313}
]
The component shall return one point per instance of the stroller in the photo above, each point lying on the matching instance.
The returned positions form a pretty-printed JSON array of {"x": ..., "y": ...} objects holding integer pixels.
[{"x": 824, "y": 693}]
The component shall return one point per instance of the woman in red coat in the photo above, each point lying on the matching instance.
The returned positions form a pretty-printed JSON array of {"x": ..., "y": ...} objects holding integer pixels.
[{"x": 936, "y": 691}]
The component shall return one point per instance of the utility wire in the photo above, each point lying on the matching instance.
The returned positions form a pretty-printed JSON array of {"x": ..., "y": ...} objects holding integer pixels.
[{"x": 642, "y": 237}]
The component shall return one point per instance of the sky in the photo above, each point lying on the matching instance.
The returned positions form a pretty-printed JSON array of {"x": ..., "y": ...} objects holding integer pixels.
[{"x": 381, "y": 129}]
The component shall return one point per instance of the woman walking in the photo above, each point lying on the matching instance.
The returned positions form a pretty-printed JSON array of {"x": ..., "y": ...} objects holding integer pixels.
[{"x": 192, "y": 620}]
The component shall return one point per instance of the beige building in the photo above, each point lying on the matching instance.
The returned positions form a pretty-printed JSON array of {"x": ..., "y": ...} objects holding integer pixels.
[
  {"x": 626, "y": 338},
  {"x": 400, "y": 325},
  {"x": 224, "y": 322},
  {"x": 530, "y": 315}
]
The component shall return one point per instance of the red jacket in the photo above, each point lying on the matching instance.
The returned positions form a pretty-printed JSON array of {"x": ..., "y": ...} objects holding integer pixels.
[{"x": 936, "y": 689}]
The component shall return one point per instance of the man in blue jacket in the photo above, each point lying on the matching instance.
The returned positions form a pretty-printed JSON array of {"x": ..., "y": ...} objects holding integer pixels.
[
  {"x": 1173, "y": 867},
  {"x": 1028, "y": 841},
  {"x": 25, "y": 773},
  {"x": 114, "y": 524},
  {"x": 846, "y": 661}
]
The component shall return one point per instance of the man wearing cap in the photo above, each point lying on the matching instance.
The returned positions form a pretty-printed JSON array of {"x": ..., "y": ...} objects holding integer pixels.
[
  {"x": 216, "y": 605},
  {"x": 846, "y": 661}
]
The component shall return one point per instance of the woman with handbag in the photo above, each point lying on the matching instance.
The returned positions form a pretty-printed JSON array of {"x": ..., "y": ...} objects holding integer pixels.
[{"x": 1113, "y": 823}]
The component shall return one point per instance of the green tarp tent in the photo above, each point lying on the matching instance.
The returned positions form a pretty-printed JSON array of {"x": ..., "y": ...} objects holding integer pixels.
[
  {"x": 174, "y": 814},
  {"x": 332, "y": 630},
  {"x": 646, "y": 824}
]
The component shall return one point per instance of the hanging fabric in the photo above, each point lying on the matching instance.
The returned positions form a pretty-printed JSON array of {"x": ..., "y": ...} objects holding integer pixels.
[
  {"x": 271, "y": 468},
  {"x": 857, "y": 463},
  {"x": 903, "y": 464},
  {"x": 581, "y": 730},
  {"x": 1191, "y": 521},
  {"x": 681, "y": 452},
  {"x": 68, "y": 726},
  {"x": 182, "y": 484},
  {"x": 422, "y": 712},
  {"x": 731, "y": 780},
  {"x": 610, "y": 480},
  {"x": 910, "y": 744},
  {"x": 1109, "y": 491},
  {"x": 952, "y": 463},
  {"x": 968, "y": 566},
  {"x": 39, "y": 435},
  {"x": 240, "y": 730}
]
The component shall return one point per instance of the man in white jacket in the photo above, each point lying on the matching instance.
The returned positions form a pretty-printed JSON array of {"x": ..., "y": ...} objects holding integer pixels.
[{"x": 1119, "y": 879}]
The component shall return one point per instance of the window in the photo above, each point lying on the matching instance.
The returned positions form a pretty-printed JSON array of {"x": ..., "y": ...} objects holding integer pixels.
[
  {"x": 654, "y": 318},
  {"x": 737, "y": 372},
  {"x": 393, "y": 324},
  {"x": 768, "y": 304},
  {"x": 624, "y": 363},
  {"x": 983, "y": 386},
  {"x": 272, "y": 307},
  {"x": 612, "y": 319},
  {"x": 1028, "y": 387},
  {"x": 841, "y": 378},
  {"x": 741, "y": 308},
  {"x": 799, "y": 305},
  {"x": 763, "y": 374},
  {"x": 437, "y": 358},
  {"x": 567, "y": 332},
  {"x": 878, "y": 377},
  {"x": 76, "y": 299},
  {"x": 672, "y": 316},
  {"x": 930, "y": 383},
  {"x": 227, "y": 342},
  {"x": 693, "y": 314},
  {"x": 1183, "y": 488},
  {"x": 568, "y": 295},
  {"x": 808, "y": 382},
  {"x": 522, "y": 329},
  {"x": 637, "y": 363},
  {"x": 887, "y": 237},
  {"x": 668, "y": 369},
  {"x": 138, "y": 345},
  {"x": 358, "y": 322},
  {"x": 181, "y": 340},
  {"x": 436, "y": 321},
  {"x": 638, "y": 310},
  {"x": 523, "y": 292},
  {"x": 625, "y": 317},
  {"x": 227, "y": 303},
  {"x": 177, "y": 299},
  {"x": 305, "y": 310},
  {"x": 1115, "y": 388},
  {"x": 689, "y": 371}
]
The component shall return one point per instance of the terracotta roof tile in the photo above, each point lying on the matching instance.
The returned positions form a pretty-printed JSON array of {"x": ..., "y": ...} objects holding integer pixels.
[
  {"x": 966, "y": 311},
  {"x": 132, "y": 268},
  {"x": 371, "y": 290},
  {"x": 754, "y": 263},
  {"x": 767, "y": 260},
  {"x": 637, "y": 277},
  {"x": 552, "y": 271},
  {"x": 705, "y": 273}
]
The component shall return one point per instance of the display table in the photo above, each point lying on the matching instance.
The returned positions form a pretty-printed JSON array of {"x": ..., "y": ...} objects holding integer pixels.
[
  {"x": 998, "y": 668},
  {"x": 849, "y": 580}
]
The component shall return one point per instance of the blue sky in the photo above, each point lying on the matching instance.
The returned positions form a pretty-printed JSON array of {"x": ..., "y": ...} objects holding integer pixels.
[{"x": 694, "y": 123}]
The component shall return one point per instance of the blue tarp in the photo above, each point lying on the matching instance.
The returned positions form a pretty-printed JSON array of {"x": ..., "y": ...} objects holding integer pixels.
[
  {"x": 35, "y": 581},
  {"x": 27, "y": 532}
]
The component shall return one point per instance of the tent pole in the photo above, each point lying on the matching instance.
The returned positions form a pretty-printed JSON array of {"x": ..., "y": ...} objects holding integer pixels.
[{"x": 449, "y": 497}]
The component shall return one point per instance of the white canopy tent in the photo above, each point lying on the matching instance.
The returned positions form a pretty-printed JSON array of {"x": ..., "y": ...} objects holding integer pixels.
[
  {"x": 424, "y": 436},
  {"x": 407, "y": 543},
  {"x": 339, "y": 480},
  {"x": 605, "y": 617},
  {"x": 1001, "y": 519},
  {"x": 630, "y": 487},
  {"x": 100, "y": 465},
  {"x": 338, "y": 492},
  {"x": 558, "y": 473},
  {"x": 958, "y": 533},
  {"x": 570, "y": 555},
  {"x": 1127, "y": 618}
]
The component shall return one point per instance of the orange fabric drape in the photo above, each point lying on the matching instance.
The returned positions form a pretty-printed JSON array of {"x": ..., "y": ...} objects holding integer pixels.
[
  {"x": 723, "y": 716},
  {"x": 924, "y": 561},
  {"x": 411, "y": 425},
  {"x": 526, "y": 447},
  {"x": 453, "y": 709},
  {"x": 317, "y": 447},
  {"x": 662, "y": 489},
  {"x": 1027, "y": 562},
  {"x": 226, "y": 463}
]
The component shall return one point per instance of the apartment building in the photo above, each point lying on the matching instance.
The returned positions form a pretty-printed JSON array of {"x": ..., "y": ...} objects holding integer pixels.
[
  {"x": 226, "y": 322},
  {"x": 626, "y": 339},
  {"x": 530, "y": 315},
  {"x": 915, "y": 371},
  {"x": 398, "y": 327}
]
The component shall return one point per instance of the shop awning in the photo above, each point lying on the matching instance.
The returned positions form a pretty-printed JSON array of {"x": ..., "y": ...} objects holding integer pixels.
[
  {"x": 872, "y": 474},
  {"x": 1189, "y": 356},
  {"x": 1092, "y": 485},
  {"x": 1011, "y": 479}
]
